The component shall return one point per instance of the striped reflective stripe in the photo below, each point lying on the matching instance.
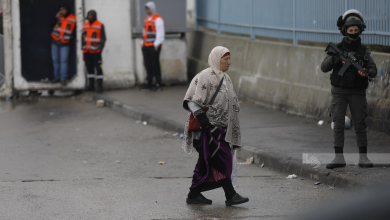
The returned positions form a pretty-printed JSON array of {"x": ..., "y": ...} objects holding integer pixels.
[
  {"x": 96, "y": 27},
  {"x": 71, "y": 20},
  {"x": 150, "y": 33},
  {"x": 92, "y": 39},
  {"x": 67, "y": 37},
  {"x": 91, "y": 75},
  {"x": 149, "y": 21},
  {"x": 150, "y": 40},
  {"x": 68, "y": 31},
  {"x": 94, "y": 47},
  {"x": 99, "y": 76},
  {"x": 56, "y": 34}
]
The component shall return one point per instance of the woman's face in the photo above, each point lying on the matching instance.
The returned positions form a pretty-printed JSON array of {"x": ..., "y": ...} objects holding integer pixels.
[
  {"x": 353, "y": 30},
  {"x": 225, "y": 63},
  {"x": 63, "y": 11}
]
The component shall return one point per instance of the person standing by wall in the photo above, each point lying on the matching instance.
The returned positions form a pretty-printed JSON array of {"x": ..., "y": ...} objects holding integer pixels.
[
  {"x": 350, "y": 89},
  {"x": 93, "y": 40},
  {"x": 63, "y": 33},
  {"x": 153, "y": 37}
]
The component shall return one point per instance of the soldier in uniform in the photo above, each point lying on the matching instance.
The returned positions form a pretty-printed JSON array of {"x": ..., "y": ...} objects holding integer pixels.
[{"x": 350, "y": 89}]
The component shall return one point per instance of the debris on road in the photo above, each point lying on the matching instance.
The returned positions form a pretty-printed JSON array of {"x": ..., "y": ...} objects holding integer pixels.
[
  {"x": 248, "y": 161},
  {"x": 181, "y": 136},
  {"x": 175, "y": 134},
  {"x": 86, "y": 98},
  {"x": 161, "y": 162},
  {"x": 262, "y": 165},
  {"x": 100, "y": 103},
  {"x": 321, "y": 122},
  {"x": 331, "y": 187},
  {"x": 145, "y": 123},
  {"x": 292, "y": 176},
  {"x": 317, "y": 183}
]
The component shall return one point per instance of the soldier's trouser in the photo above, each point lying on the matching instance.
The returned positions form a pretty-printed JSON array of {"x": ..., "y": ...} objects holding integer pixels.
[{"x": 358, "y": 106}]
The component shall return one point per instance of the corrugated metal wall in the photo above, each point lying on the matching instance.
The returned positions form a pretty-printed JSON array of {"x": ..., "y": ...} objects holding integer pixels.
[{"x": 306, "y": 20}]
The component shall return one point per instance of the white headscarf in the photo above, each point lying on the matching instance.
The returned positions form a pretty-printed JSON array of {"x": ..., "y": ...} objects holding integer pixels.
[
  {"x": 152, "y": 7},
  {"x": 215, "y": 60}
]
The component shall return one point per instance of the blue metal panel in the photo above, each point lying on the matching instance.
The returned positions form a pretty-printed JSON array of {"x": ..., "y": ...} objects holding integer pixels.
[{"x": 307, "y": 20}]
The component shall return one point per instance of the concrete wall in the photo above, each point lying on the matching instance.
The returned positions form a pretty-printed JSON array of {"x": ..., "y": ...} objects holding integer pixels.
[
  {"x": 6, "y": 88},
  {"x": 287, "y": 77},
  {"x": 118, "y": 56}
]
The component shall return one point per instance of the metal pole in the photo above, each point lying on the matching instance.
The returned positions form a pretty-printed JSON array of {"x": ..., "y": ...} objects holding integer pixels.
[
  {"x": 295, "y": 41},
  {"x": 219, "y": 17},
  {"x": 251, "y": 14}
]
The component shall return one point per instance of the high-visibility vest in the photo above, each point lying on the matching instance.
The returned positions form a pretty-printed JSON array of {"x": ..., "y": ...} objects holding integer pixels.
[
  {"x": 150, "y": 30},
  {"x": 92, "y": 37},
  {"x": 64, "y": 28}
]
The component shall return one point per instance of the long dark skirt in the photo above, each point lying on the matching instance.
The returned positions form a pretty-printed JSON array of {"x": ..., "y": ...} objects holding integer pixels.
[{"x": 215, "y": 159}]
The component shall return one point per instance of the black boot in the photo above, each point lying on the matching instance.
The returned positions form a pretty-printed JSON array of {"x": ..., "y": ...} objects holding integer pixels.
[
  {"x": 99, "y": 85},
  {"x": 338, "y": 161},
  {"x": 91, "y": 84},
  {"x": 195, "y": 197},
  {"x": 363, "y": 159},
  {"x": 232, "y": 197},
  {"x": 237, "y": 199}
]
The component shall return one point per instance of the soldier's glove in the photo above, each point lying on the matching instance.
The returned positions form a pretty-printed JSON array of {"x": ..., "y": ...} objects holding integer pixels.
[
  {"x": 336, "y": 60},
  {"x": 203, "y": 120}
]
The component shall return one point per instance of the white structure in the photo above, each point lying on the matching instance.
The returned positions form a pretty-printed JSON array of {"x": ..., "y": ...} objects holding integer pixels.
[{"x": 122, "y": 56}]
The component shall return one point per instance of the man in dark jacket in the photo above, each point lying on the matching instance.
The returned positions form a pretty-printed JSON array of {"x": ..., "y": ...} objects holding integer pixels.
[
  {"x": 350, "y": 89},
  {"x": 93, "y": 40}
]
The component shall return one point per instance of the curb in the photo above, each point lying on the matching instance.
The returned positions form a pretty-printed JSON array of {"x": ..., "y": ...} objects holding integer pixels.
[{"x": 273, "y": 161}]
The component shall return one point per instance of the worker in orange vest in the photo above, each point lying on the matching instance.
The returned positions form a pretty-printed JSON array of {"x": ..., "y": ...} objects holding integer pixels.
[
  {"x": 153, "y": 37},
  {"x": 63, "y": 33},
  {"x": 93, "y": 40}
]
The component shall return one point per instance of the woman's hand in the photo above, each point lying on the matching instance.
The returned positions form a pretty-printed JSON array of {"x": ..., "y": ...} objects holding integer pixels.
[
  {"x": 360, "y": 72},
  {"x": 203, "y": 120}
]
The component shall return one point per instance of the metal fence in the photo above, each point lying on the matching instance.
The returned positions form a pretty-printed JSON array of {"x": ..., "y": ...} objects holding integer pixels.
[{"x": 305, "y": 20}]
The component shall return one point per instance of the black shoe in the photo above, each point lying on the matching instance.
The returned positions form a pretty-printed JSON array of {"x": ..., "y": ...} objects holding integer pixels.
[
  {"x": 365, "y": 162},
  {"x": 200, "y": 199},
  {"x": 63, "y": 82},
  {"x": 55, "y": 81},
  {"x": 157, "y": 88},
  {"x": 338, "y": 161},
  {"x": 237, "y": 199}
]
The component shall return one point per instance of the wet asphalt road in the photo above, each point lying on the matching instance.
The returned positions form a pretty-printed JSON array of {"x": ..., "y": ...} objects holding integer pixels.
[{"x": 61, "y": 158}]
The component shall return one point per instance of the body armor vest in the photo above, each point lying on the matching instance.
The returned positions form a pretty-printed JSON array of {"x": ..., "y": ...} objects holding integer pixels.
[{"x": 351, "y": 78}]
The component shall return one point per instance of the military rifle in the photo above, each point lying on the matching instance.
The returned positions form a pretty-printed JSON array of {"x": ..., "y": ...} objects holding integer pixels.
[{"x": 349, "y": 59}]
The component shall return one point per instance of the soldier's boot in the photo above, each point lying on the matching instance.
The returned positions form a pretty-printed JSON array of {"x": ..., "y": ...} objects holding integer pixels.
[
  {"x": 99, "y": 85},
  {"x": 363, "y": 159},
  {"x": 91, "y": 84},
  {"x": 338, "y": 161}
]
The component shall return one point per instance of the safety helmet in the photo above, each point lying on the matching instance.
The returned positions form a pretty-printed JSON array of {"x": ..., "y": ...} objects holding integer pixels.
[{"x": 356, "y": 19}]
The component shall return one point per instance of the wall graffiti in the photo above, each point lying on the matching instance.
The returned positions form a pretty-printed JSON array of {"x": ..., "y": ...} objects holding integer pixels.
[{"x": 380, "y": 85}]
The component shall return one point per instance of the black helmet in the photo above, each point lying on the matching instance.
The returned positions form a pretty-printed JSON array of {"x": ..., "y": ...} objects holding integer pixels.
[{"x": 350, "y": 18}]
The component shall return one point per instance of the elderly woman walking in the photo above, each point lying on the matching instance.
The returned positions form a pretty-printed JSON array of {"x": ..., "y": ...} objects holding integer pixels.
[{"x": 213, "y": 129}]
